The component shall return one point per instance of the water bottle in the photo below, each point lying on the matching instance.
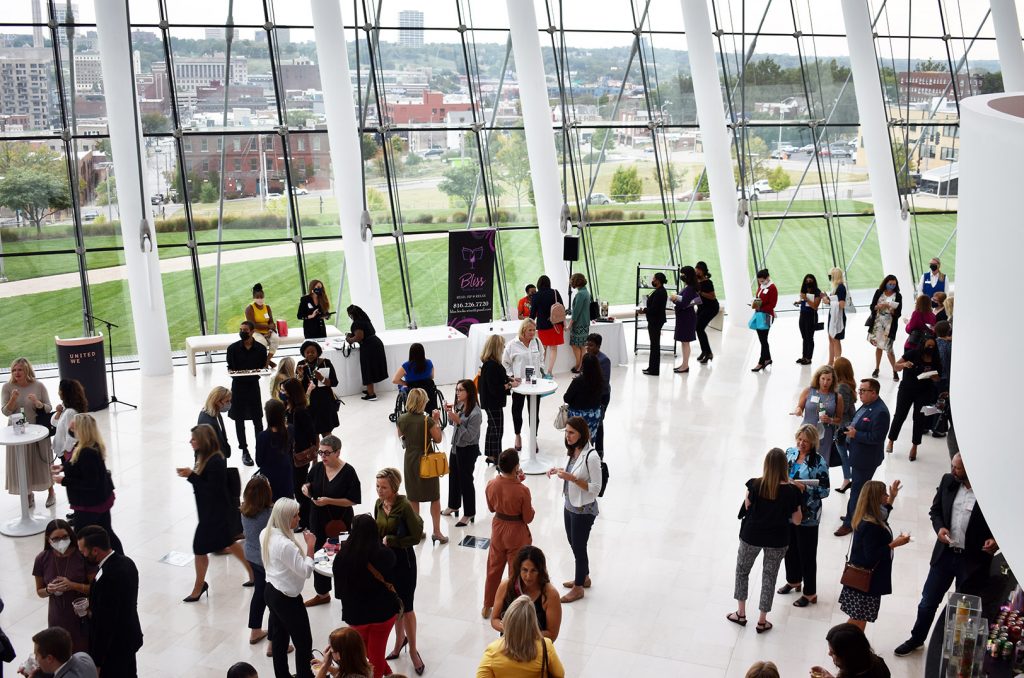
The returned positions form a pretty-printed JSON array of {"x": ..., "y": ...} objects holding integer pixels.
[{"x": 819, "y": 425}]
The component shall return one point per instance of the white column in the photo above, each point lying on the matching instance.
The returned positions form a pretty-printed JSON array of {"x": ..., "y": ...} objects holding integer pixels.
[
  {"x": 540, "y": 136},
  {"x": 1011, "y": 53},
  {"x": 893, "y": 230},
  {"x": 144, "y": 285},
  {"x": 731, "y": 237},
  {"x": 988, "y": 248},
  {"x": 346, "y": 157}
]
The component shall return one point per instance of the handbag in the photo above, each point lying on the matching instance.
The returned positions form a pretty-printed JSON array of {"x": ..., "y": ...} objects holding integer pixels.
[
  {"x": 7, "y": 653},
  {"x": 334, "y": 526},
  {"x": 389, "y": 586},
  {"x": 304, "y": 457},
  {"x": 43, "y": 418},
  {"x": 282, "y": 328},
  {"x": 759, "y": 321},
  {"x": 562, "y": 417},
  {"x": 433, "y": 463},
  {"x": 855, "y": 576}
]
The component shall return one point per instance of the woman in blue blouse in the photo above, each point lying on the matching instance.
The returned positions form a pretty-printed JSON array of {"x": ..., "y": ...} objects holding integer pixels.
[
  {"x": 417, "y": 372},
  {"x": 872, "y": 548},
  {"x": 805, "y": 464}
]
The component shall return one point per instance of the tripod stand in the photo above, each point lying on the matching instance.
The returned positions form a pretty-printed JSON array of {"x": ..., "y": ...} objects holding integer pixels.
[{"x": 110, "y": 355}]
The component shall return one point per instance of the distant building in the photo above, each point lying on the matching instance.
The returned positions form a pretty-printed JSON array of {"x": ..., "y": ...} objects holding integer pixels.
[
  {"x": 301, "y": 73},
  {"x": 410, "y": 28},
  {"x": 933, "y": 134},
  {"x": 923, "y": 86},
  {"x": 191, "y": 73},
  {"x": 88, "y": 73},
  {"x": 25, "y": 85},
  {"x": 219, "y": 34}
]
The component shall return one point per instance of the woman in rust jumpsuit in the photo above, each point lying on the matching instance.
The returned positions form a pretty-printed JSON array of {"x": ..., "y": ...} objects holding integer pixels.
[{"x": 508, "y": 498}]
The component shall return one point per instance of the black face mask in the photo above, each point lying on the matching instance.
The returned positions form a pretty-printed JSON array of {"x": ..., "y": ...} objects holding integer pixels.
[
  {"x": 243, "y": 335},
  {"x": 319, "y": 290},
  {"x": 284, "y": 398},
  {"x": 934, "y": 267}
]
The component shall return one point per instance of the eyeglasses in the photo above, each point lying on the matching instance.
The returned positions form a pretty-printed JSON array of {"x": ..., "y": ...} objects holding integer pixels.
[
  {"x": 866, "y": 390},
  {"x": 325, "y": 453}
]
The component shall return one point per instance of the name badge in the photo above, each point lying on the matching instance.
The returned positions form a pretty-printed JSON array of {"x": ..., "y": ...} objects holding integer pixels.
[{"x": 815, "y": 399}]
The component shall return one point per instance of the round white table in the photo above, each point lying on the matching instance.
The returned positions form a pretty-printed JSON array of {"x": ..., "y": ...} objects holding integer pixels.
[
  {"x": 323, "y": 562},
  {"x": 531, "y": 462},
  {"x": 29, "y": 523}
]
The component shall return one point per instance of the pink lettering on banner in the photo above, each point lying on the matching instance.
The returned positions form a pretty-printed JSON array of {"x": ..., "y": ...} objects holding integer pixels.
[{"x": 470, "y": 280}]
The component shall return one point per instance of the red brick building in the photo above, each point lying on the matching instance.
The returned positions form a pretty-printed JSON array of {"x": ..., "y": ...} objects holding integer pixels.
[{"x": 923, "y": 86}]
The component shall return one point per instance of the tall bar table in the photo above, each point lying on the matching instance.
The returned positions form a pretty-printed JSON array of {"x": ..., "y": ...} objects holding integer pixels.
[
  {"x": 532, "y": 463},
  {"x": 29, "y": 523}
]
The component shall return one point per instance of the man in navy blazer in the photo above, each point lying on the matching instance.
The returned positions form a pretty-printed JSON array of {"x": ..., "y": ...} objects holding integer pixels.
[
  {"x": 115, "y": 634},
  {"x": 963, "y": 551},
  {"x": 865, "y": 441}
]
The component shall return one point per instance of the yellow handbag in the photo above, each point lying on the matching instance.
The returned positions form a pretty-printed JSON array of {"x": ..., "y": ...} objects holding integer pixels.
[{"x": 433, "y": 463}]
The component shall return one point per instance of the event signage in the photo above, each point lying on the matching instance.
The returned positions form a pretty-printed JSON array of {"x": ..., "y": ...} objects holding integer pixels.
[
  {"x": 470, "y": 277},
  {"x": 83, "y": 359}
]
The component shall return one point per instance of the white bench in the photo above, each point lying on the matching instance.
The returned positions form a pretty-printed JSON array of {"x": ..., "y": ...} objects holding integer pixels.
[{"x": 219, "y": 342}]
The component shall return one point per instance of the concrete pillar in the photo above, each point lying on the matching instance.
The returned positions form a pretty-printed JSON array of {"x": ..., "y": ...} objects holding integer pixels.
[
  {"x": 731, "y": 236},
  {"x": 140, "y": 254},
  {"x": 346, "y": 157},
  {"x": 540, "y": 137},
  {"x": 893, "y": 230},
  {"x": 1011, "y": 52}
]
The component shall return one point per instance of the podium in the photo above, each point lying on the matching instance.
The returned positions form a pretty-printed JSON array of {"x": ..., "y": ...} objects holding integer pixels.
[{"x": 83, "y": 359}]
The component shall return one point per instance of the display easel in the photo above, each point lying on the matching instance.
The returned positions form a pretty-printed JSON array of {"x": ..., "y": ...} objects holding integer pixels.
[{"x": 643, "y": 282}]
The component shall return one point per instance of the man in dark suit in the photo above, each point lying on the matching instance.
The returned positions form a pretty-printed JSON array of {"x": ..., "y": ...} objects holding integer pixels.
[
  {"x": 53, "y": 654},
  {"x": 115, "y": 634},
  {"x": 865, "y": 440},
  {"x": 657, "y": 302},
  {"x": 963, "y": 550}
]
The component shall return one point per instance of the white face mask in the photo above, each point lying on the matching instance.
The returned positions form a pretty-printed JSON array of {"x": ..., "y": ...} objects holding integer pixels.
[{"x": 60, "y": 545}]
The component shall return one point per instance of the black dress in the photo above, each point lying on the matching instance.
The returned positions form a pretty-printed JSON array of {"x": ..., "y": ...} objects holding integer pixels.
[
  {"x": 218, "y": 426},
  {"x": 373, "y": 362},
  {"x": 212, "y": 533},
  {"x": 344, "y": 485},
  {"x": 246, "y": 402},
  {"x": 274, "y": 460},
  {"x": 314, "y": 328},
  {"x": 321, "y": 400},
  {"x": 300, "y": 427}
]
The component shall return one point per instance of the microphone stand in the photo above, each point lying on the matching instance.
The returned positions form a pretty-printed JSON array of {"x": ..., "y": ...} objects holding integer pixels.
[{"x": 110, "y": 354}]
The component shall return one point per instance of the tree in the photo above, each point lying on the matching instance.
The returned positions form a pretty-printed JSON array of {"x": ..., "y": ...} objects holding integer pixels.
[
  {"x": 208, "y": 193},
  {"x": 36, "y": 193},
  {"x": 369, "y": 145},
  {"x": 154, "y": 123},
  {"x": 779, "y": 179},
  {"x": 904, "y": 166},
  {"x": 299, "y": 118},
  {"x": 700, "y": 184},
  {"x": 106, "y": 191},
  {"x": 514, "y": 164},
  {"x": 597, "y": 139},
  {"x": 626, "y": 184},
  {"x": 459, "y": 182},
  {"x": 930, "y": 65},
  {"x": 671, "y": 177},
  {"x": 991, "y": 83}
]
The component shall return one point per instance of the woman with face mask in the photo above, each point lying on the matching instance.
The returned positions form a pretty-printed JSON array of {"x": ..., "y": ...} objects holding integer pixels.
[
  {"x": 63, "y": 576},
  {"x": 810, "y": 299},
  {"x": 933, "y": 280},
  {"x": 886, "y": 306},
  {"x": 916, "y": 391},
  {"x": 260, "y": 315},
  {"x": 314, "y": 308}
]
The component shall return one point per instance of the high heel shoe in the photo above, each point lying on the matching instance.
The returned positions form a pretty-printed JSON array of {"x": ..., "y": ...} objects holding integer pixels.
[
  {"x": 875, "y": 373},
  {"x": 192, "y": 599},
  {"x": 758, "y": 368},
  {"x": 789, "y": 587},
  {"x": 450, "y": 512},
  {"x": 394, "y": 655},
  {"x": 466, "y": 521},
  {"x": 913, "y": 453},
  {"x": 434, "y": 538},
  {"x": 708, "y": 358},
  {"x": 422, "y": 667},
  {"x": 844, "y": 488},
  {"x": 701, "y": 357}
]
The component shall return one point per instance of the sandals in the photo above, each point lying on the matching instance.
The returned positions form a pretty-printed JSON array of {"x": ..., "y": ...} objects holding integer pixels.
[
  {"x": 804, "y": 601},
  {"x": 737, "y": 618},
  {"x": 787, "y": 588},
  {"x": 764, "y": 627}
]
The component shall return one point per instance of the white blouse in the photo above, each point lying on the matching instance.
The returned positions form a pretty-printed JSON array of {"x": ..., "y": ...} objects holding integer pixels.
[
  {"x": 518, "y": 356},
  {"x": 62, "y": 442},
  {"x": 287, "y": 567}
]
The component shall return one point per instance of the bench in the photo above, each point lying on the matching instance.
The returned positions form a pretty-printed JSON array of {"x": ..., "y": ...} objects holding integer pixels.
[{"x": 219, "y": 342}]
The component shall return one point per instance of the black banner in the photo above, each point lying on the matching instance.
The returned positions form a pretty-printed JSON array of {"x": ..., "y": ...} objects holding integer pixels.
[
  {"x": 83, "y": 359},
  {"x": 470, "y": 278}
]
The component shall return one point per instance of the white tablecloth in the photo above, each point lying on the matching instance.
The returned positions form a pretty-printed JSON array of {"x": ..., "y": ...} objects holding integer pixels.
[
  {"x": 613, "y": 343},
  {"x": 445, "y": 346}
]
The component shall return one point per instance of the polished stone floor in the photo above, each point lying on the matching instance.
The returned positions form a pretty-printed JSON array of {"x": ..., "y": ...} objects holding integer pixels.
[{"x": 662, "y": 552}]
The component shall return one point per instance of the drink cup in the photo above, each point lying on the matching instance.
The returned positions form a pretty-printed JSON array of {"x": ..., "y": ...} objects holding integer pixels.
[{"x": 81, "y": 606}]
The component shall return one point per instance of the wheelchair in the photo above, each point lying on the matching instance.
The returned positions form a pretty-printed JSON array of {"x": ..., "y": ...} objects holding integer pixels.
[{"x": 435, "y": 400}]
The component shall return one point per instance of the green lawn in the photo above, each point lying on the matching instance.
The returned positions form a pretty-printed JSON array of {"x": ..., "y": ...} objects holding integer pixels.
[{"x": 802, "y": 246}]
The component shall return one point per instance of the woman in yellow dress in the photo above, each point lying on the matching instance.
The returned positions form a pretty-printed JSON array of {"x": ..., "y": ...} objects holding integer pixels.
[{"x": 259, "y": 314}]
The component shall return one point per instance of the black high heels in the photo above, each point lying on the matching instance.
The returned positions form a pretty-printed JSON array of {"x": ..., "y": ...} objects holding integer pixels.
[
  {"x": 394, "y": 655},
  {"x": 192, "y": 599},
  {"x": 421, "y": 668},
  {"x": 466, "y": 520}
]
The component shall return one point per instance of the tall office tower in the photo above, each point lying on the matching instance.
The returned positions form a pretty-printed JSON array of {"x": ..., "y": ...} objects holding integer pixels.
[
  {"x": 37, "y": 21},
  {"x": 410, "y": 24}
]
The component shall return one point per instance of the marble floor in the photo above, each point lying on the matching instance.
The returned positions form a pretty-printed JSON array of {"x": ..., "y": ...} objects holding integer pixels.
[{"x": 662, "y": 552}]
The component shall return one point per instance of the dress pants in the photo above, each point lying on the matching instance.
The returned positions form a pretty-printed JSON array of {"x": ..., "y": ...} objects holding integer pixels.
[
  {"x": 802, "y": 558},
  {"x": 704, "y": 318},
  {"x": 299, "y": 474},
  {"x": 288, "y": 619},
  {"x": 949, "y": 567},
  {"x": 654, "y": 337},
  {"x": 766, "y": 351},
  {"x": 462, "y": 461},
  {"x": 808, "y": 319},
  {"x": 375, "y": 638},
  {"x": 577, "y": 531},
  {"x": 120, "y": 664},
  {"x": 82, "y": 519},
  {"x": 507, "y": 537},
  {"x": 910, "y": 400},
  {"x": 494, "y": 433},
  {"x": 258, "y": 604},
  {"x": 859, "y": 476},
  {"x": 321, "y": 584},
  {"x": 599, "y": 436},
  {"x": 769, "y": 572},
  {"x": 844, "y": 458},
  {"x": 518, "y": 401},
  {"x": 257, "y": 425}
]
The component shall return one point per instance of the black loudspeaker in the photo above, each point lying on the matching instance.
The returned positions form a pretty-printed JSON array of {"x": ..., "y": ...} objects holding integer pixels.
[{"x": 570, "y": 248}]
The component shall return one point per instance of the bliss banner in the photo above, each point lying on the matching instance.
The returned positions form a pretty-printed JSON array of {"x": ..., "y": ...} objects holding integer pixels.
[{"x": 470, "y": 277}]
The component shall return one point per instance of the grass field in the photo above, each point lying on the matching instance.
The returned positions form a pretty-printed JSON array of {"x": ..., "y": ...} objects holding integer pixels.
[{"x": 802, "y": 246}]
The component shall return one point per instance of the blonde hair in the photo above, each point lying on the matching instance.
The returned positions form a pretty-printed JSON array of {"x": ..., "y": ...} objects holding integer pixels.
[
  {"x": 810, "y": 433},
  {"x": 493, "y": 348},
  {"x": 776, "y": 472},
  {"x": 416, "y": 401},
  {"x": 838, "y": 277},
  {"x": 213, "y": 400},
  {"x": 521, "y": 631},
  {"x": 285, "y": 371},
  {"x": 947, "y": 305},
  {"x": 869, "y": 504},
  {"x": 87, "y": 435},
  {"x": 208, "y": 445},
  {"x": 281, "y": 517},
  {"x": 30, "y": 374},
  {"x": 393, "y": 476},
  {"x": 523, "y": 326},
  {"x": 816, "y": 377}
]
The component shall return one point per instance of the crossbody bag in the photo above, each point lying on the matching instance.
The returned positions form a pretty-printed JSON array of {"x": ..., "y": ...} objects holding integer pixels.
[{"x": 389, "y": 586}]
